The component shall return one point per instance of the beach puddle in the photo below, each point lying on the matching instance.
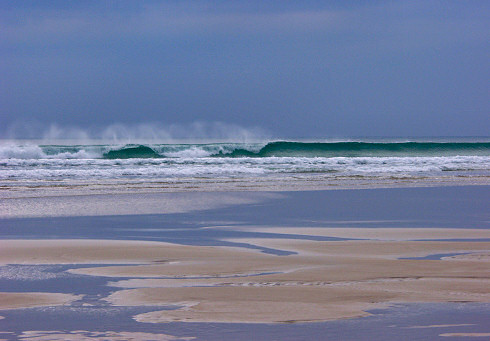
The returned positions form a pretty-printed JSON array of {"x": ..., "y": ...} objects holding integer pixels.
[{"x": 398, "y": 322}]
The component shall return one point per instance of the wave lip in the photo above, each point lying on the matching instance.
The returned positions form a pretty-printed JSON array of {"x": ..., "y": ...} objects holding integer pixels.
[{"x": 129, "y": 152}]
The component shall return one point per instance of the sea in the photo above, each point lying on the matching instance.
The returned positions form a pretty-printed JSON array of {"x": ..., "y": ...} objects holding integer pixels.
[{"x": 259, "y": 165}]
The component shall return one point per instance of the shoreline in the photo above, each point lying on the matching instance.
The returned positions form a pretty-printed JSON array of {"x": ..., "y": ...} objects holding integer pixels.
[
  {"x": 28, "y": 204},
  {"x": 77, "y": 188}
]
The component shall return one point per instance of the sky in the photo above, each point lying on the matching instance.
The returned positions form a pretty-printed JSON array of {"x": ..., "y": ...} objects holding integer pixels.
[{"x": 297, "y": 69}]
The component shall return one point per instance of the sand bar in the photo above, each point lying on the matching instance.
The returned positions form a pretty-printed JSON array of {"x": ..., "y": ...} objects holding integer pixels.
[
  {"x": 85, "y": 251},
  {"x": 14, "y": 300},
  {"x": 325, "y": 280},
  {"x": 39, "y": 335},
  {"x": 376, "y": 233}
]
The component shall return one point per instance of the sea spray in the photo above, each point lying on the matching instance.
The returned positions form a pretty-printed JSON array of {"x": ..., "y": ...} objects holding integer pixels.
[{"x": 150, "y": 132}]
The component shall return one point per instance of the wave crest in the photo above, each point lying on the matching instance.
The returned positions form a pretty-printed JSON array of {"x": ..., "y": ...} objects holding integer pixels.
[
  {"x": 140, "y": 151},
  {"x": 37, "y": 152},
  {"x": 241, "y": 150},
  {"x": 360, "y": 149}
]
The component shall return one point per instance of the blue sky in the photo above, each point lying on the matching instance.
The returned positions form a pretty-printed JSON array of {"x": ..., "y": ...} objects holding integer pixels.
[{"x": 291, "y": 68}]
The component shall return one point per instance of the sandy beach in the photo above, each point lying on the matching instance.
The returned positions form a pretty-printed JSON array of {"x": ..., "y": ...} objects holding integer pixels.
[
  {"x": 271, "y": 259},
  {"x": 9, "y": 300},
  {"x": 321, "y": 281}
]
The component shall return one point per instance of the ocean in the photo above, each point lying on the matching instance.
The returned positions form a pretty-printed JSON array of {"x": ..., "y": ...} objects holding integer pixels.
[{"x": 270, "y": 165}]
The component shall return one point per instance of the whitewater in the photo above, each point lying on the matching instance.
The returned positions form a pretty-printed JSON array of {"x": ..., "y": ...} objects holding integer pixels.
[{"x": 266, "y": 165}]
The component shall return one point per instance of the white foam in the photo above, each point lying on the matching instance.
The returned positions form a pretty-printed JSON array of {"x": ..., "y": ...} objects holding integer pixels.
[
  {"x": 45, "y": 163},
  {"x": 28, "y": 152},
  {"x": 193, "y": 152},
  {"x": 12, "y": 151}
]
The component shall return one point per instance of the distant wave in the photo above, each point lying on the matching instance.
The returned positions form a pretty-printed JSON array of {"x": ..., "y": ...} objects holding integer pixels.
[
  {"x": 357, "y": 149},
  {"x": 142, "y": 152},
  {"x": 291, "y": 161},
  {"x": 30, "y": 152},
  {"x": 305, "y": 149},
  {"x": 240, "y": 150}
]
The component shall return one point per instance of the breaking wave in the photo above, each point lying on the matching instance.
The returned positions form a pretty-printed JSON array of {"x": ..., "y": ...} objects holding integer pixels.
[
  {"x": 23, "y": 163},
  {"x": 360, "y": 149},
  {"x": 253, "y": 150},
  {"x": 140, "y": 152}
]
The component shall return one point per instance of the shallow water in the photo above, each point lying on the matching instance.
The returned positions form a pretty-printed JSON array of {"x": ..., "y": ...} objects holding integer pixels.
[{"x": 400, "y": 322}]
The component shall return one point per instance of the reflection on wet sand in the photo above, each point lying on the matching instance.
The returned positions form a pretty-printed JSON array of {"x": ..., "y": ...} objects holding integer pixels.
[{"x": 322, "y": 280}]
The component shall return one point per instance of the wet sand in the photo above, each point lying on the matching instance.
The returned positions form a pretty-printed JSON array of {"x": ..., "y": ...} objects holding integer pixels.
[
  {"x": 84, "y": 335},
  {"x": 12, "y": 300},
  {"x": 244, "y": 261},
  {"x": 376, "y": 233},
  {"x": 322, "y": 281}
]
